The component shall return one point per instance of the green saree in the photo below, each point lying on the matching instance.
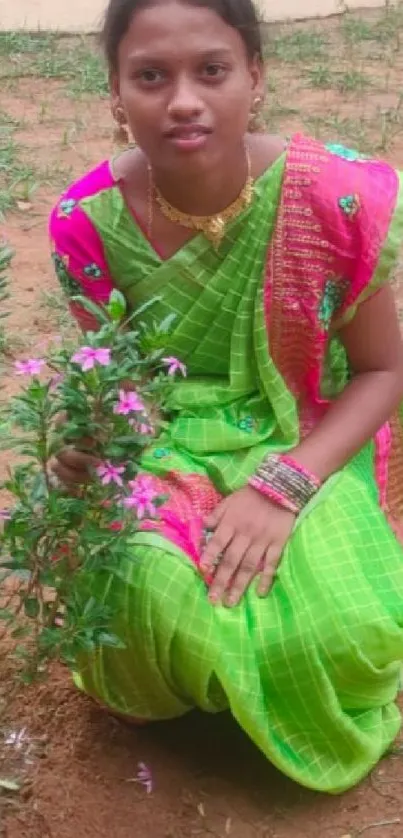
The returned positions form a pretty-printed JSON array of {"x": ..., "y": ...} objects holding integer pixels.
[{"x": 311, "y": 672}]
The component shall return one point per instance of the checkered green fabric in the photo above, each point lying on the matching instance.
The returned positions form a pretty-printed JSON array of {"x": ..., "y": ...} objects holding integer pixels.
[
  {"x": 234, "y": 406},
  {"x": 312, "y": 671}
]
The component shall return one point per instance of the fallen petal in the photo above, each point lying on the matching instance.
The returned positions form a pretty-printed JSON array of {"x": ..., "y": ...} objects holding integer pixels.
[{"x": 9, "y": 785}]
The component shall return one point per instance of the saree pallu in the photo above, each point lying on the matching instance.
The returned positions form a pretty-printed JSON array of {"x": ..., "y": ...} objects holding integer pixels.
[{"x": 311, "y": 672}]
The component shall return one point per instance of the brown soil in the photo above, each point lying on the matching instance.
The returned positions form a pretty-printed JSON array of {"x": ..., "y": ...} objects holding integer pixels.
[
  {"x": 209, "y": 780},
  {"x": 77, "y": 764}
]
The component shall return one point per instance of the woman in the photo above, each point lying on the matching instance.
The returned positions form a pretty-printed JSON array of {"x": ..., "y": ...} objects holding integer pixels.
[{"x": 275, "y": 259}]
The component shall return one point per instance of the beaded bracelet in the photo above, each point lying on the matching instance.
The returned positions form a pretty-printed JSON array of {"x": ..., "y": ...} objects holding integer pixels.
[{"x": 284, "y": 481}]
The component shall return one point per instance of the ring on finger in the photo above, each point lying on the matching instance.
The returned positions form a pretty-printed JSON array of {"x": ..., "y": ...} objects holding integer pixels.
[{"x": 217, "y": 561}]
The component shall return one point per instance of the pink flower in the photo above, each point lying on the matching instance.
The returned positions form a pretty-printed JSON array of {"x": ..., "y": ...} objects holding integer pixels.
[
  {"x": 145, "y": 777},
  {"x": 116, "y": 526},
  {"x": 32, "y": 366},
  {"x": 109, "y": 473},
  {"x": 142, "y": 497},
  {"x": 5, "y": 515},
  {"x": 129, "y": 402},
  {"x": 174, "y": 365},
  {"x": 87, "y": 357},
  {"x": 142, "y": 427}
]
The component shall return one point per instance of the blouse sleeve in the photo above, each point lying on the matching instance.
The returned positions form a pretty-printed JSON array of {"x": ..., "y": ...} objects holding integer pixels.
[
  {"x": 79, "y": 260},
  {"x": 378, "y": 239}
]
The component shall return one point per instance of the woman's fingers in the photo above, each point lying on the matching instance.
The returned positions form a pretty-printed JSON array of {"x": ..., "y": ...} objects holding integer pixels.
[
  {"x": 77, "y": 460},
  {"x": 227, "y": 567},
  {"x": 271, "y": 562},
  {"x": 73, "y": 467},
  {"x": 215, "y": 547},
  {"x": 244, "y": 575},
  {"x": 215, "y": 517},
  {"x": 68, "y": 477}
]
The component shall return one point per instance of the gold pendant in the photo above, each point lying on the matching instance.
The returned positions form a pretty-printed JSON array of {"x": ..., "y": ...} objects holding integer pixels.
[
  {"x": 213, "y": 227},
  {"x": 216, "y": 230}
]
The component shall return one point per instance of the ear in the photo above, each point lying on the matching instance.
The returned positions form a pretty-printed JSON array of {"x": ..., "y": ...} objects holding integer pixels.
[{"x": 256, "y": 70}]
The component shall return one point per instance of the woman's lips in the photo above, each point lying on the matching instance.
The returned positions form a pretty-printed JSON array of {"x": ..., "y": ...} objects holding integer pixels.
[{"x": 188, "y": 138}]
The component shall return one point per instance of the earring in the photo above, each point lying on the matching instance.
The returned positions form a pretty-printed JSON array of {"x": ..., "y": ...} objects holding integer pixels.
[
  {"x": 121, "y": 133},
  {"x": 256, "y": 122}
]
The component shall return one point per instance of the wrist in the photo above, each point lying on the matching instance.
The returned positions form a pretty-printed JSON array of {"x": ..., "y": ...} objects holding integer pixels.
[
  {"x": 286, "y": 482},
  {"x": 312, "y": 460}
]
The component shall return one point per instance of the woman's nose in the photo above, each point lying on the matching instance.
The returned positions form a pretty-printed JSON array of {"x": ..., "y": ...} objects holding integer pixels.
[{"x": 185, "y": 102}]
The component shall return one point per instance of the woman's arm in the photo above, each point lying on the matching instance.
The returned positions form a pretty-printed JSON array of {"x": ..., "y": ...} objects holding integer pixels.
[
  {"x": 375, "y": 351},
  {"x": 250, "y": 532}
]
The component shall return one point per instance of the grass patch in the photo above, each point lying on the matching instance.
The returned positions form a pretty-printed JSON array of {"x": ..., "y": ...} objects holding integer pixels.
[
  {"x": 354, "y": 133},
  {"x": 76, "y": 61},
  {"x": 5, "y": 261},
  {"x": 391, "y": 124},
  {"x": 300, "y": 45},
  {"x": 55, "y": 303},
  {"x": 320, "y": 76},
  {"x": 349, "y": 81},
  {"x": 384, "y": 29},
  {"x": 56, "y": 174},
  {"x": 17, "y": 179},
  {"x": 357, "y": 29},
  {"x": 80, "y": 65},
  {"x": 14, "y": 44},
  {"x": 352, "y": 81}
]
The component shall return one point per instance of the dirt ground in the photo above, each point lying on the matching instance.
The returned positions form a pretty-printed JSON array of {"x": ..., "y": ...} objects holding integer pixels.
[{"x": 76, "y": 766}]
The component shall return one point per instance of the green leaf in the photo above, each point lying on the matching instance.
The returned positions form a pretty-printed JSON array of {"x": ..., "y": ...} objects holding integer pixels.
[
  {"x": 93, "y": 309},
  {"x": 143, "y": 308},
  {"x": 85, "y": 642},
  {"x": 116, "y": 307},
  {"x": 6, "y": 614},
  {"x": 115, "y": 452},
  {"x": 129, "y": 439},
  {"x": 90, "y": 605},
  {"x": 31, "y": 608},
  {"x": 49, "y": 637},
  {"x": 111, "y": 640}
]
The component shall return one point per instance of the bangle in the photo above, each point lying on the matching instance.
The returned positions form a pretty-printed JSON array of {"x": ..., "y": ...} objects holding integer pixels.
[{"x": 284, "y": 481}]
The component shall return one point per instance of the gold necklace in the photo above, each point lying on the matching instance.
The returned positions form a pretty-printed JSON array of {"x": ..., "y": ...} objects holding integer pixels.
[{"x": 212, "y": 226}]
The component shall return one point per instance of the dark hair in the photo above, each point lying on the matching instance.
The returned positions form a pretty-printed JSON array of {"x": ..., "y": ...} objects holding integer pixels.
[{"x": 240, "y": 14}]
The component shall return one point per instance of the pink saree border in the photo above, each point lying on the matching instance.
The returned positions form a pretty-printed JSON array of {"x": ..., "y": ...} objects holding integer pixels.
[{"x": 316, "y": 242}]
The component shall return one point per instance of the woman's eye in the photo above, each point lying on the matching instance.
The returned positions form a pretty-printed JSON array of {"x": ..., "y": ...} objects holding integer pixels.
[
  {"x": 150, "y": 76},
  {"x": 214, "y": 71}
]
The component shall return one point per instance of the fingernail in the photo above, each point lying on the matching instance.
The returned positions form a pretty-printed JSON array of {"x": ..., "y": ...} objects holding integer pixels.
[
  {"x": 213, "y": 599},
  {"x": 231, "y": 601}
]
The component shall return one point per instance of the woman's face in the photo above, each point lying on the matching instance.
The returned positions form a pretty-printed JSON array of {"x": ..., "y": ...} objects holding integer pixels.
[{"x": 186, "y": 85}]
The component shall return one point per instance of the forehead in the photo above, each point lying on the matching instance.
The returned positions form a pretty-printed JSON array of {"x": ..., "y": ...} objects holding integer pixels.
[{"x": 176, "y": 29}]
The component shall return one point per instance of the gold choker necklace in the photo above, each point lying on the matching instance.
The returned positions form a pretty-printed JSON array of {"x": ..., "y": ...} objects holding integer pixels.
[{"x": 212, "y": 226}]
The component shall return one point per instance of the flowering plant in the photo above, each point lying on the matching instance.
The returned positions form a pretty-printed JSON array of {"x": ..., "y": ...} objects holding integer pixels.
[{"x": 111, "y": 393}]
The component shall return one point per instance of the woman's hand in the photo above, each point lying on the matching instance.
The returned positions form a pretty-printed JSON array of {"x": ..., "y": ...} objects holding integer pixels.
[
  {"x": 250, "y": 533},
  {"x": 73, "y": 467}
]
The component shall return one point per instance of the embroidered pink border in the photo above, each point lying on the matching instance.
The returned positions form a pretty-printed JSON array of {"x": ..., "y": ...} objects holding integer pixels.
[{"x": 314, "y": 242}]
